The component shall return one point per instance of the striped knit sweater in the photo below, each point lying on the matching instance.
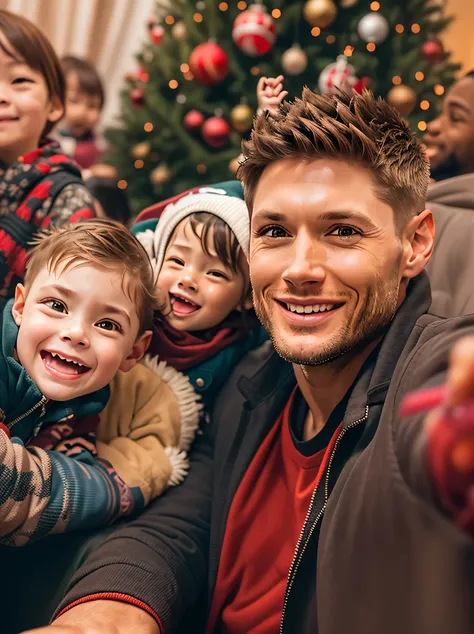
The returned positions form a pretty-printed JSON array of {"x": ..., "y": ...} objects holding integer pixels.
[{"x": 42, "y": 491}]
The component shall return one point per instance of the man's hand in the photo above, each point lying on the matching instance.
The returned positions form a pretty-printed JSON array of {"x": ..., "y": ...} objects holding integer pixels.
[
  {"x": 102, "y": 617},
  {"x": 451, "y": 439},
  {"x": 270, "y": 92}
]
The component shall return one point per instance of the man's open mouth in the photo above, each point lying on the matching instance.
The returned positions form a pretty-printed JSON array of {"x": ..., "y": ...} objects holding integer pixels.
[
  {"x": 181, "y": 306},
  {"x": 310, "y": 309},
  {"x": 61, "y": 365}
]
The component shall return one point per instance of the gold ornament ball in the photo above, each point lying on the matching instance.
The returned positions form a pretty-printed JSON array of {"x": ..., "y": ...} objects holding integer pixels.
[
  {"x": 403, "y": 98},
  {"x": 241, "y": 117},
  {"x": 179, "y": 31},
  {"x": 294, "y": 61},
  {"x": 160, "y": 175},
  {"x": 320, "y": 13},
  {"x": 141, "y": 150}
]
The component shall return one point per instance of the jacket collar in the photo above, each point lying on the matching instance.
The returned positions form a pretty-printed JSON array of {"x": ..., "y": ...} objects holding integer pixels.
[
  {"x": 374, "y": 377},
  {"x": 23, "y": 391}
]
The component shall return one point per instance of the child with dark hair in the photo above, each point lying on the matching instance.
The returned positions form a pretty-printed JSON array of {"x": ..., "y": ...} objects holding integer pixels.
[
  {"x": 198, "y": 243},
  {"x": 84, "y": 102},
  {"x": 39, "y": 185},
  {"x": 110, "y": 201}
]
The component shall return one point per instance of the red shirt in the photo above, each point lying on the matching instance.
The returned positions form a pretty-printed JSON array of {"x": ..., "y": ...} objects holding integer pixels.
[{"x": 263, "y": 526}]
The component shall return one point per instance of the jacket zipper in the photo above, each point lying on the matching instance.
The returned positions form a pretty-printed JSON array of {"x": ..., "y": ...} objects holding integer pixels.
[
  {"x": 297, "y": 557},
  {"x": 41, "y": 404}
]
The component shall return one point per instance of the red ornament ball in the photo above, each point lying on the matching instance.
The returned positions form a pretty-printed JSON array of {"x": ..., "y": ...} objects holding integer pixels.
[
  {"x": 193, "y": 120},
  {"x": 142, "y": 75},
  {"x": 432, "y": 51},
  {"x": 215, "y": 132},
  {"x": 137, "y": 97},
  {"x": 156, "y": 34},
  {"x": 254, "y": 31},
  {"x": 209, "y": 63},
  {"x": 361, "y": 84}
]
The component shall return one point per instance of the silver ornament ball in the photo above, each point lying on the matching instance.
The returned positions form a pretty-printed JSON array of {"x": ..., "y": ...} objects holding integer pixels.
[{"x": 373, "y": 27}]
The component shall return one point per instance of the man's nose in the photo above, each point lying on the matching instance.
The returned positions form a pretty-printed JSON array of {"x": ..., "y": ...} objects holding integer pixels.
[{"x": 307, "y": 263}]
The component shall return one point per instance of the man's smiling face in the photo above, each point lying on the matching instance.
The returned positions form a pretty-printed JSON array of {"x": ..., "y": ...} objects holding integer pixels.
[{"x": 325, "y": 259}]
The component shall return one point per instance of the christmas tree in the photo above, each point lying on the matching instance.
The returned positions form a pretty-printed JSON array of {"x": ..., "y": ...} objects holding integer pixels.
[{"x": 192, "y": 99}]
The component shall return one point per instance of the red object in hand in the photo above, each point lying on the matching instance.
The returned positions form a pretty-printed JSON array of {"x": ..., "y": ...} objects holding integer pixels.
[{"x": 422, "y": 401}]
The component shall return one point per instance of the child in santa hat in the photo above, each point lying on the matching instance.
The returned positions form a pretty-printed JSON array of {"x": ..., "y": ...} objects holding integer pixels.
[{"x": 198, "y": 243}]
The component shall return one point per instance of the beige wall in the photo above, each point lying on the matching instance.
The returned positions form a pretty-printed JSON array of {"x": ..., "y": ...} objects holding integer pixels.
[{"x": 458, "y": 37}]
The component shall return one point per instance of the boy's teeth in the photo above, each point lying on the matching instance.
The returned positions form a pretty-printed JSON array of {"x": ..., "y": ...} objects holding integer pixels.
[
  {"x": 307, "y": 310},
  {"x": 55, "y": 354}
]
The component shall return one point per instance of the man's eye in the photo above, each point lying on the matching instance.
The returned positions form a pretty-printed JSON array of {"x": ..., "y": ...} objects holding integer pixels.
[
  {"x": 55, "y": 305},
  {"x": 273, "y": 232},
  {"x": 106, "y": 324},
  {"x": 345, "y": 232}
]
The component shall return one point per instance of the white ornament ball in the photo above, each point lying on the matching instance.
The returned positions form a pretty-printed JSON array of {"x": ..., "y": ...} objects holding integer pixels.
[
  {"x": 339, "y": 75},
  {"x": 373, "y": 27},
  {"x": 179, "y": 31},
  {"x": 294, "y": 61},
  {"x": 254, "y": 31}
]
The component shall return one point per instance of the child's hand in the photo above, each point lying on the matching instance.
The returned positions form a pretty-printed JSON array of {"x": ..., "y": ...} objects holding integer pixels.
[{"x": 270, "y": 92}]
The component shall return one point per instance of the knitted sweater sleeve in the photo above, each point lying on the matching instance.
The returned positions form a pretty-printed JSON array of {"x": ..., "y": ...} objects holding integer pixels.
[
  {"x": 46, "y": 491},
  {"x": 73, "y": 203}
]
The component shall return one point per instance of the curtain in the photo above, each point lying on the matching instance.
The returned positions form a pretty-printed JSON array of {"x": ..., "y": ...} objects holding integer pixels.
[{"x": 106, "y": 32}]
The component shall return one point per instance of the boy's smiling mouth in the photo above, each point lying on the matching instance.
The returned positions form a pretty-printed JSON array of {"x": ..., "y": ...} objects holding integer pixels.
[
  {"x": 182, "y": 306},
  {"x": 63, "y": 367}
]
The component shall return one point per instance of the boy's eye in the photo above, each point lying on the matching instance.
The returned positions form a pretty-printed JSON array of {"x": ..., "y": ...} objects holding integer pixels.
[
  {"x": 106, "y": 324},
  {"x": 176, "y": 260},
  {"x": 22, "y": 80},
  {"x": 218, "y": 274},
  {"x": 55, "y": 305}
]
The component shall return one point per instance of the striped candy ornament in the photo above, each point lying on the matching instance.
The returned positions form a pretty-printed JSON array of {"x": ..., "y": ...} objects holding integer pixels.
[
  {"x": 208, "y": 63},
  {"x": 254, "y": 31}
]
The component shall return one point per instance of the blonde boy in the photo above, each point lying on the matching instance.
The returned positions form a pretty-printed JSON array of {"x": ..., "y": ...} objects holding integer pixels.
[{"x": 81, "y": 321}]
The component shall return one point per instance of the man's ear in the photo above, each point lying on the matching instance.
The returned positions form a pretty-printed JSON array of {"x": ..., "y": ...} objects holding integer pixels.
[
  {"x": 56, "y": 110},
  {"x": 19, "y": 304},
  {"x": 139, "y": 348},
  {"x": 418, "y": 242}
]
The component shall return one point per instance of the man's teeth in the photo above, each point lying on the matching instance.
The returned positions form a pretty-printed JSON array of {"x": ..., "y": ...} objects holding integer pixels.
[
  {"x": 55, "y": 354},
  {"x": 317, "y": 308}
]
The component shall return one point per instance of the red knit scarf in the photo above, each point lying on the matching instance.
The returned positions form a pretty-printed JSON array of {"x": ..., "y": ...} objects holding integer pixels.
[{"x": 183, "y": 350}]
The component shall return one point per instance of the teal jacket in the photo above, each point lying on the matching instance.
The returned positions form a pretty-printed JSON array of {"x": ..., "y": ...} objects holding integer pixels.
[
  {"x": 210, "y": 376},
  {"x": 44, "y": 491}
]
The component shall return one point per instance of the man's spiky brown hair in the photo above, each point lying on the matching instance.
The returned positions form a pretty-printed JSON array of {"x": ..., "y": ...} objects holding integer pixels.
[{"x": 359, "y": 129}]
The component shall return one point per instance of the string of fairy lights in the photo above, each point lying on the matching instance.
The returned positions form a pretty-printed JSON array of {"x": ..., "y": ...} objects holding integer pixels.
[{"x": 179, "y": 32}]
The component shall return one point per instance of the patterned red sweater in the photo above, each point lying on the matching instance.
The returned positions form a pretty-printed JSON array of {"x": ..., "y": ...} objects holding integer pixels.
[{"x": 42, "y": 188}]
